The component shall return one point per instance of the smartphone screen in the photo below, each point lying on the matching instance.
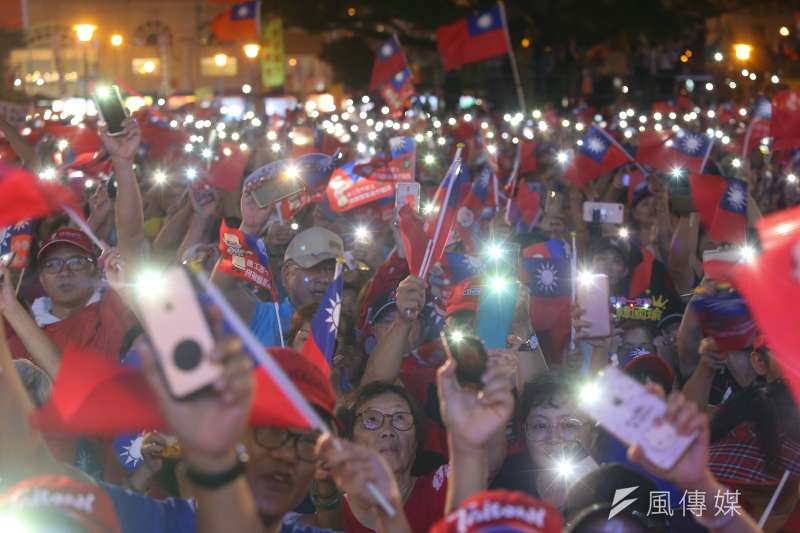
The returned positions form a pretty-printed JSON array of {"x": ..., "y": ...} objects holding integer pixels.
[
  {"x": 277, "y": 189},
  {"x": 592, "y": 294},
  {"x": 498, "y": 299},
  {"x": 109, "y": 103},
  {"x": 469, "y": 355}
]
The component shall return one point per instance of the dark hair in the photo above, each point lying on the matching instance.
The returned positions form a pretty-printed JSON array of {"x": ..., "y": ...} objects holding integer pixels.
[
  {"x": 546, "y": 390},
  {"x": 371, "y": 390}
]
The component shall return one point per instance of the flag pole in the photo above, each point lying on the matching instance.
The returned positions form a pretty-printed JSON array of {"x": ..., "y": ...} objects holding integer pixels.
[
  {"x": 512, "y": 59},
  {"x": 279, "y": 377},
  {"x": 773, "y": 500},
  {"x": 76, "y": 218},
  {"x": 573, "y": 261}
]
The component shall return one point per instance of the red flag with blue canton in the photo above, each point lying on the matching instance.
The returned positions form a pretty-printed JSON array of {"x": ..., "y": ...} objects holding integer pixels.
[
  {"x": 398, "y": 165},
  {"x": 321, "y": 340},
  {"x": 547, "y": 271},
  {"x": 525, "y": 208},
  {"x": 460, "y": 267},
  {"x": 598, "y": 154},
  {"x": 771, "y": 285},
  {"x": 479, "y": 207},
  {"x": 398, "y": 91},
  {"x": 446, "y": 202},
  {"x": 759, "y": 125},
  {"x": 475, "y": 38},
  {"x": 414, "y": 237},
  {"x": 723, "y": 315},
  {"x": 347, "y": 190},
  {"x": 240, "y": 21},
  {"x": 17, "y": 240},
  {"x": 685, "y": 151},
  {"x": 24, "y": 196},
  {"x": 784, "y": 127},
  {"x": 722, "y": 205},
  {"x": 389, "y": 60}
]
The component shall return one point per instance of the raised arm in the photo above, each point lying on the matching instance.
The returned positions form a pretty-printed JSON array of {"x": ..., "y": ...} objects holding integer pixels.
[
  {"x": 24, "y": 151},
  {"x": 129, "y": 213}
]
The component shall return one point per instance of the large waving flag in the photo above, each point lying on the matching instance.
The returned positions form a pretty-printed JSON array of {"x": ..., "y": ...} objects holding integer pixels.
[
  {"x": 398, "y": 165},
  {"x": 238, "y": 22},
  {"x": 321, "y": 340},
  {"x": 525, "y": 208},
  {"x": 784, "y": 127},
  {"x": 480, "y": 206},
  {"x": 397, "y": 92},
  {"x": 227, "y": 170},
  {"x": 771, "y": 285},
  {"x": 723, "y": 315},
  {"x": 24, "y": 196},
  {"x": 684, "y": 152},
  {"x": 475, "y": 38},
  {"x": 597, "y": 154},
  {"x": 759, "y": 125},
  {"x": 17, "y": 240},
  {"x": 389, "y": 61},
  {"x": 722, "y": 205}
]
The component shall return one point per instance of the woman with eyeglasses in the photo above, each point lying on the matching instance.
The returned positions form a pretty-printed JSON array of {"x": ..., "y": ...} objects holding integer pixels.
[{"x": 556, "y": 438}]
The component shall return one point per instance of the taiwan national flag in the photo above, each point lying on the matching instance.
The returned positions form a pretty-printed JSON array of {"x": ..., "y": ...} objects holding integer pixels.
[
  {"x": 722, "y": 205},
  {"x": 389, "y": 61},
  {"x": 598, "y": 154},
  {"x": 784, "y": 127},
  {"x": 460, "y": 267},
  {"x": 525, "y": 209},
  {"x": 17, "y": 240},
  {"x": 24, "y": 196},
  {"x": 449, "y": 197},
  {"x": 480, "y": 205},
  {"x": 685, "y": 151},
  {"x": 759, "y": 125},
  {"x": 723, "y": 315},
  {"x": 398, "y": 165},
  {"x": 476, "y": 38},
  {"x": 321, "y": 340},
  {"x": 397, "y": 92},
  {"x": 771, "y": 285},
  {"x": 238, "y": 22},
  {"x": 547, "y": 271},
  {"x": 227, "y": 171}
]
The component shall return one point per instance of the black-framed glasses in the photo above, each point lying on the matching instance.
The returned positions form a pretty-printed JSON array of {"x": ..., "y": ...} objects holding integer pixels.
[
  {"x": 373, "y": 420},
  {"x": 77, "y": 263},
  {"x": 272, "y": 438},
  {"x": 568, "y": 428}
]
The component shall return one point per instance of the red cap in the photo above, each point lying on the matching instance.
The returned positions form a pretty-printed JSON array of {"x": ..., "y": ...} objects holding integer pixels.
[
  {"x": 654, "y": 367},
  {"x": 464, "y": 297},
  {"x": 71, "y": 236},
  {"x": 501, "y": 510},
  {"x": 87, "y": 504},
  {"x": 307, "y": 377}
]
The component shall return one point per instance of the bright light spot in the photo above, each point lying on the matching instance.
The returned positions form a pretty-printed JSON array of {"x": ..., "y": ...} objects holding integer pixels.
[
  {"x": 589, "y": 393},
  {"x": 624, "y": 89},
  {"x": 657, "y": 115},
  {"x": 220, "y": 60},
  {"x": 457, "y": 336},
  {"x": 88, "y": 183},
  {"x": 188, "y": 148},
  {"x": 791, "y": 178},
  {"x": 150, "y": 284},
  {"x": 190, "y": 173},
  {"x": 542, "y": 126},
  {"x": 294, "y": 226},
  {"x": 748, "y": 253},
  {"x": 736, "y": 163},
  {"x": 494, "y": 251},
  {"x": 207, "y": 153},
  {"x": 742, "y": 51},
  {"x": 428, "y": 208},
  {"x": 775, "y": 79},
  {"x": 711, "y": 113},
  {"x": 585, "y": 277},
  {"x": 742, "y": 112},
  {"x": 783, "y": 31},
  {"x": 753, "y": 76},
  {"x": 361, "y": 233},
  {"x": 429, "y": 159},
  {"x": 718, "y": 57},
  {"x": 578, "y": 126},
  {"x": 251, "y": 50},
  {"x": 292, "y": 172},
  {"x": 116, "y": 39},
  {"x": 709, "y": 86},
  {"x": 276, "y": 147},
  {"x": 247, "y": 88},
  {"x": 624, "y": 233},
  {"x": 467, "y": 117},
  {"x": 732, "y": 84},
  {"x": 565, "y": 468},
  {"x": 160, "y": 177},
  {"x": 676, "y": 172},
  {"x": 48, "y": 174},
  {"x": 562, "y": 157}
]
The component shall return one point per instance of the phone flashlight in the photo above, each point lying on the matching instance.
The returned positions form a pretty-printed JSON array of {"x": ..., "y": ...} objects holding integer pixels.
[
  {"x": 292, "y": 172},
  {"x": 624, "y": 233},
  {"x": 428, "y": 208},
  {"x": 295, "y": 226},
  {"x": 160, "y": 177},
  {"x": 748, "y": 253},
  {"x": 589, "y": 393},
  {"x": 562, "y": 157},
  {"x": 362, "y": 234},
  {"x": 565, "y": 468},
  {"x": 150, "y": 284},
  {"x": 677, "y": 172},
  {"x": 457, "y": 335},
  {"x": 191, "y": 173},
  {"x": 429, "y": 159},
  {"x": 498, "y": 283},
  {"x": 103, "y": 91},
  {"x": 494, "y": 251},
  {"x": 585, "y": 277}
]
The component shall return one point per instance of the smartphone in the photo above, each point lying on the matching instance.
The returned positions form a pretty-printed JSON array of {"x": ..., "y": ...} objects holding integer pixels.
[
  {"x": 592, "y": 295},
  {"x": 203, "y": 194},
  {"x": 497, "y": 302},
  {"x": 277, "y": 189},
  {"x": 180, "y": 334},
  {"x": 626, "y": 409},
  {"x": 406, "y": 193},
  {"x": 603, "y": 212},
  {"x": 469, "y": 355},
  {"x": 680, "y": 195},
  {"x": 110, "y": 106}
]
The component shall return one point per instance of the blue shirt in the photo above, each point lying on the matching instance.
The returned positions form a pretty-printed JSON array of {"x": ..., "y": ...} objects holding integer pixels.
[{"x": 264, "y": 324}]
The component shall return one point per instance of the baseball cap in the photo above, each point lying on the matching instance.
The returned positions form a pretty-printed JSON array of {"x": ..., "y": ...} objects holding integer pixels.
[
  {"x": 72, "y": 236},
  {"x": 641, "y": 363},
  {"x": 61, "y": 499},
  {"x": 383, "y": 302},
  {"x": 307, "y": 377},
  {"x": 501, "y": 510},
  {"x": 464, "y": 297},
  {"x": 314, "y": 245}
]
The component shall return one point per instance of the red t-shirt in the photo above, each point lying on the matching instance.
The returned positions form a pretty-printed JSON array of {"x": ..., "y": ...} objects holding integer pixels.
[
  {"x": 101, "y": 325},
  {"x": 424, "y": 506}
]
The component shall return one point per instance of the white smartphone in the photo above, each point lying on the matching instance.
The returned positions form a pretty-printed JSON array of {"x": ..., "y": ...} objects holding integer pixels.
[
  {"x": 606, "y": 213},
  {"x": 626, "y": 409},
  {"x": 592, "y": 295},
  {"x": 406, "y": 193},
  {"x": 180, "y": 334}
]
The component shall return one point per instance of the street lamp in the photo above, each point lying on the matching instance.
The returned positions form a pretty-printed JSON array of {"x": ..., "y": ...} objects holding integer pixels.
[
  {"x": 251, "y": 50},
  {"x": 742, "y": 51},
  {"x": 85, "y": 32}
]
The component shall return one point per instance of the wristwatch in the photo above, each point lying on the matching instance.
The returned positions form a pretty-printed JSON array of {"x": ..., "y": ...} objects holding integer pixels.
[{"x": 530, "y": 345}]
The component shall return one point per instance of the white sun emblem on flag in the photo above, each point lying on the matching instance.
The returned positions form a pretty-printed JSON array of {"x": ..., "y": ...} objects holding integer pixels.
[
  {"x": 692, "y": 143},
  {"x": 484, "y": 21},
  {"x": 397, "y": 143},
  {"x": 547, "y": 277},
  {"x": 333, "y": 311},
  {"x": 736, "y": 196},
  {"x": 132, "y": 453},
  {"x": 386, "y": 50},
  {"x": 474, "y": 263},
  {"x": 595, "y": 145},
  {"x": 399, "y": 76},
  {"x": 243, "y": 11}
]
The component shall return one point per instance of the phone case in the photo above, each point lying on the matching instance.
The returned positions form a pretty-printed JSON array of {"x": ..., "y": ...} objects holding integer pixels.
[
  {"x": 180, "y": 334},
  {"x": 117, "y": 98},
  {"x": 626, "y": 409},
  {"x": 406, "y": 193},
  {"x": 593, "y": 298},
  {"x": 612, "y": 213},
  {"x": 495, "y": 315}
]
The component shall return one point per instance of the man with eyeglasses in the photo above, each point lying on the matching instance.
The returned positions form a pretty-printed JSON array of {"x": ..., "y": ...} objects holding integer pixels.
[{"x": 75, "y": 309}]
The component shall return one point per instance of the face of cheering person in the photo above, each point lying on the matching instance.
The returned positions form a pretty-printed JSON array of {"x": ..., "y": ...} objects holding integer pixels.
[
  {"x": 68, "y": 275},
  {"x": 385, "y": 423}
]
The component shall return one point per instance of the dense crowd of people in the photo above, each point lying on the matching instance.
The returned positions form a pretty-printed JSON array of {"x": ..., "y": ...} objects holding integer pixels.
[{"x": 405, "y": 440}]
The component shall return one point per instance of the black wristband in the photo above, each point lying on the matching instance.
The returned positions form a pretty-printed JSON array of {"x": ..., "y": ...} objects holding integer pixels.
[{"x": 215, "y": 481}]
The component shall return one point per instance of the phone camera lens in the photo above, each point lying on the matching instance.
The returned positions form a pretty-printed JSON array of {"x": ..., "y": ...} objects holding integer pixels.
[{"x": 187, "y": 355}]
